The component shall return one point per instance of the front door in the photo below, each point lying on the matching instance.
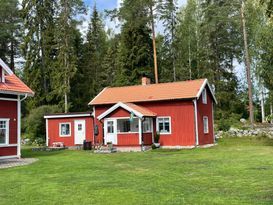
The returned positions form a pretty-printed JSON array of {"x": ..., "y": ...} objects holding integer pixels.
[
  {"x": 79, "y": 131},
  {"x": 110, "y": 131}
]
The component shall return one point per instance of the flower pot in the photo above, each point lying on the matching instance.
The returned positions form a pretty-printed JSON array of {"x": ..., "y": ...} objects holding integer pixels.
[{"x": 157, "y": 145}]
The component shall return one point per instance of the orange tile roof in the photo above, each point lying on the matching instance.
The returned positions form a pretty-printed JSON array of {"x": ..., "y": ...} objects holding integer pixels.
[
  {"x": 153, "y": 92},
  {"x": 13, "y": 84},
  {"x": 144, "y": 111}
]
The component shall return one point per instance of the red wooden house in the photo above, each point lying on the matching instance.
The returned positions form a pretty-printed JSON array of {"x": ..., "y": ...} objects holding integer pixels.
[
  {"x": 129, "y": 117},
  {"x": 12, "y": 92},
  {"x": 182, "y": 112}
]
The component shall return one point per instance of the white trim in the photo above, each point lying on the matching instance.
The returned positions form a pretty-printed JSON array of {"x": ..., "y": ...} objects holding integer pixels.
[
  {"x": 105, "y": 130},
  {"x": 152, "y": 127},
  {"x": 16, "y": 93},
  {"x": 67, "y": 116},
  {"x": 7, "y": 120},
  {"x": 19, "y": 127},
  {"x": 6, "y": 67},
  {"x": 170, "y": 122},
  {"x": 196, "y": 123},
  {"x": 206, "y": 129},
  {"x": 47, "y": 133},
  {"x": 140, "y": 131},
  {"x": 9, "y": 157},
  {"x": 213, "y": 122},
  {"x": 122, "y": 105},
  {"x": 9, "y": 99},
  {"x": 8, "y": 145},
  {"x": 202, "y": 88},
  {"x": 97, "y": 96},
  {"x": 70, "y": 127}
]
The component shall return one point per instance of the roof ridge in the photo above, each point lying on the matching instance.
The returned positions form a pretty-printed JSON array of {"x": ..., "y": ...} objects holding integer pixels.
[{"x": 139, "y": 85}]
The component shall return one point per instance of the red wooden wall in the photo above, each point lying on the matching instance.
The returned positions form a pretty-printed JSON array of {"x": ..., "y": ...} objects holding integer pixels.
[
  {"x": 205, "y": 110},
  {"x": 53, "y": 130},
  {"x": 8, "y": 109}
]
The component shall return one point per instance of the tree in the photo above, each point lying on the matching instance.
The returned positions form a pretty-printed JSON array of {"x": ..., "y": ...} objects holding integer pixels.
[
  {"x": 10, "y": 24},
  {"x": 39, "y": 48},
  {"x": 66, "y": 57}
]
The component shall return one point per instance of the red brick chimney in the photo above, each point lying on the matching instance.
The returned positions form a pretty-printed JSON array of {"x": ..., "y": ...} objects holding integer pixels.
[{"x": 145, "y": 81}]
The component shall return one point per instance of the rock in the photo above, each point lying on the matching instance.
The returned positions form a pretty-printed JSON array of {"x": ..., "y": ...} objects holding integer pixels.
[{"x": 242, "y": 120}]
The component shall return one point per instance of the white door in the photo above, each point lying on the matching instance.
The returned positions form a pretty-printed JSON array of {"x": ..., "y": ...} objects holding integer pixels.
[
  {"x": 110, "y": 131},
  {"x": 79, "y": 131}
]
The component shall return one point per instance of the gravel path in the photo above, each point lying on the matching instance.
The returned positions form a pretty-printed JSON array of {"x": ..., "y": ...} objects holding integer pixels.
[{"x": 7, "y": 163}]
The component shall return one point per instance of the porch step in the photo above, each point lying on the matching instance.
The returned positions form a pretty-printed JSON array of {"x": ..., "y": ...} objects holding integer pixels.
[{"x": 105, "y": 150}]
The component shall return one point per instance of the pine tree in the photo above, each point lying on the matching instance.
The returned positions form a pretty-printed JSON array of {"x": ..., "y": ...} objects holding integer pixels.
[
  {"x": 39, "y": 48},
  {"x": 9, "y": 33},
  {"x": 135, "y": 49},
  {"x": 66, "y": 56}
]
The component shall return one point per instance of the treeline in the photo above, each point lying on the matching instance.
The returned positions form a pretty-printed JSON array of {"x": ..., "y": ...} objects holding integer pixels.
[{"x": 203, "y": 39}]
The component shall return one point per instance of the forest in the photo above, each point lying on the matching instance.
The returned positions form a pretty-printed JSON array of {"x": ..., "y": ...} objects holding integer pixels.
[{"x": 220, "y": 40}]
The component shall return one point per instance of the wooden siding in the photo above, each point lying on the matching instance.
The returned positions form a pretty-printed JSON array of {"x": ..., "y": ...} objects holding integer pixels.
[
  {"x": 53, "y": 130},
  {"x": 8, "y": 151},
  {"x": 205, "y": 110}
]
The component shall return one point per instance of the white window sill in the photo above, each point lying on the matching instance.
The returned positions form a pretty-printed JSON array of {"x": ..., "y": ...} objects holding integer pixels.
[{"x": 8, "y": 145}]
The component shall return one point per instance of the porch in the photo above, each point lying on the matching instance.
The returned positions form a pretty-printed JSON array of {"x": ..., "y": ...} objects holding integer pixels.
[{"x": 128, "y": 125}]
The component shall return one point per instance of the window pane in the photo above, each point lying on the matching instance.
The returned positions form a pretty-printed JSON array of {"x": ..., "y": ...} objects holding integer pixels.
[
  {"x": 160, "y": 126},
  {"x": 65, "y": 129},
  {"x": 3, "y": 124},
  {"x": 2, "y": 136},
  {"x": 79, "y": 127},
  {"x": 110, "y": 127}
]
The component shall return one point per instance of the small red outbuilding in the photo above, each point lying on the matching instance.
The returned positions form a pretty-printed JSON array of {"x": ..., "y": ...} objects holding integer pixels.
[
  {"x": 69, "y": 129},
  {"x": 12, "y": 92}
]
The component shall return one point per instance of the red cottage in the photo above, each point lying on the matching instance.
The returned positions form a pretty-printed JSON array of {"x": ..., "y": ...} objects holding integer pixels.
[
  {"x": 182, "y": 112},
  {"x": 69, "y": 129},
  {"x": 12, "y": 92}
]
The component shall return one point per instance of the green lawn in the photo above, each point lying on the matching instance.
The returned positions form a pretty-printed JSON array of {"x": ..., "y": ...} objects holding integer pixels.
[{"x": 237, "y": 171}]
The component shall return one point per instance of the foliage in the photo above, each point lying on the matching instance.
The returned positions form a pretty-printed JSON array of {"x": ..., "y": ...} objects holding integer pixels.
[
  {"x": 35, "y": 123},
  {"x": 157, "y": 137}
]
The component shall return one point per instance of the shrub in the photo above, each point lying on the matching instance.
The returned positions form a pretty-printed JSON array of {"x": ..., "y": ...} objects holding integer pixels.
[
  {"x": 35, "y": 124},
  {"x": 157, "y": 137},
  {"x": 153, "y": 146}
]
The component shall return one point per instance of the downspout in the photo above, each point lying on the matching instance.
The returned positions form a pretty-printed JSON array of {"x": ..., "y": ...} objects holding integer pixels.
[
  {"x": 19, "y": 124},
  {"x": 196, "y": 123}
]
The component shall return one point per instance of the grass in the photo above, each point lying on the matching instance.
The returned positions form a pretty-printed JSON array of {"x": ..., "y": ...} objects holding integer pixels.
[{"x": 237, "y": 171}]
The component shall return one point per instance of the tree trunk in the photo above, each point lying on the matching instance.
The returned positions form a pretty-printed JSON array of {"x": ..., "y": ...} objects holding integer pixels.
[
  {"x": 12, "y": 54},
  {"x": 271, "y": 113},
  {"x": 247, "y": 64},
  {"x": 154, "y": 45},
  {"x": 262, "y": 105}
]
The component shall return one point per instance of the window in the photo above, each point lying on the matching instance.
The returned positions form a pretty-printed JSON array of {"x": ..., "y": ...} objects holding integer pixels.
[
  {"x": 204, "y": 96},
  {"x": 164, "y": 125},
  {"x": 127, "y": 125},
  {"x": 4, "y": 131},
  {"x": 79, "y": 127},
  {"x": 147, "y": 125},
  {"x": 206, "y": 124},
  {"x": 110, "y": 127},
  {"x": 65, "y": 129}
]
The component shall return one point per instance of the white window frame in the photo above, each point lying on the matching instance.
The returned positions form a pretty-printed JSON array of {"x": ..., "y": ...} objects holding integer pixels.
[
  {"x": 206, "y": 129},
  {"x": 7, "y": 130},
  {"x": 124, "y": 118},
  {"x": 151, "y": 126},
  {"x": 204, "y": 96},
  {"x": 157, "y": 125},
  {"x": 60, "y": 129}
]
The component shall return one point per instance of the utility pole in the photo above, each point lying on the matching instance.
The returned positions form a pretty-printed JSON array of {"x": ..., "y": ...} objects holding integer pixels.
[
  {"x": 154, "y": 44},
  {"x": 247, "y": 64}
]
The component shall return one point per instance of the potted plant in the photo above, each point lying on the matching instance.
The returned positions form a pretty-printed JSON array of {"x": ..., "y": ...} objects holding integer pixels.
[
  {"x": 156, "y": 140},
  {"x": 110, "y": 145}
]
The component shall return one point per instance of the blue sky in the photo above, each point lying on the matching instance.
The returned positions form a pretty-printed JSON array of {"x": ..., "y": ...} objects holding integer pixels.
[{"x": 102, "y": 4}]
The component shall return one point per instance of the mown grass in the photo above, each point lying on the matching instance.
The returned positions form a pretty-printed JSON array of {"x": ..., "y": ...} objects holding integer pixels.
[{"x": 237, "y": 171}]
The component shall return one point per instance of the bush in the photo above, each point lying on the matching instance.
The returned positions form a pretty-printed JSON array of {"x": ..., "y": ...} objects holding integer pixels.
[
  {"x": 35, "y": 123},
  {"x": 157, "y": 137}
]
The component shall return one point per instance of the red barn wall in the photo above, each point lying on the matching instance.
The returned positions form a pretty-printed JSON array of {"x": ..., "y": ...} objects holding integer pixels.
[
  {"x": 8, "y": 109},
  {"x": 53, "y": 130},
  {"x": 205, "y": 110}
]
